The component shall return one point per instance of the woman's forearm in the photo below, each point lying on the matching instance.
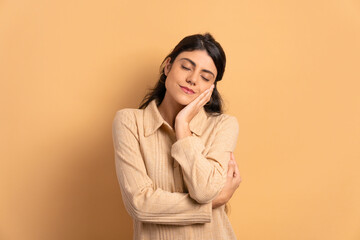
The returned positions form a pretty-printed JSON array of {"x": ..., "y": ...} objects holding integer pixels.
[
  {"x": 182, "y": 130},
  {"x": 205, "y": 175}
]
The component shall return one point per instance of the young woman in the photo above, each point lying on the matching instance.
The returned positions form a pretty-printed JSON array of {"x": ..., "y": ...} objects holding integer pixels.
[{"x": 173, "y": 155}]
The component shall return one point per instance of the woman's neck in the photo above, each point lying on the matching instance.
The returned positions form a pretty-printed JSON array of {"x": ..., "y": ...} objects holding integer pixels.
[{"x": 169, "y": 109}]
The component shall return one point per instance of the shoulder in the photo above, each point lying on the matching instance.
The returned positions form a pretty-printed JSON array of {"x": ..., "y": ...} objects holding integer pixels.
[
  {"x": 127, "y": 116},
  {"x": 127, "y": 113},
  {"x": 224, "y": 120}
]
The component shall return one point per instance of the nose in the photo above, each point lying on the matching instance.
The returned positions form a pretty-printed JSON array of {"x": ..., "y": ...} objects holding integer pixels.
[
  {"x": 192, "y": 79},
  {"x": 190, "y": 82}
]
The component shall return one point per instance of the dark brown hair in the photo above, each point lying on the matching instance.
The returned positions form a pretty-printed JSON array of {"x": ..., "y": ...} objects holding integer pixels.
[{"x": 190, "y": 43}]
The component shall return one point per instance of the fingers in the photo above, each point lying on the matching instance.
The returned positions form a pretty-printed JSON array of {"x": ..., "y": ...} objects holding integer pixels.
[
  {"x": 236, "y": 168},
  {"x": 207, "y": 91},
  {"x": 204, "y": 97},
  {"x": 208, "y": 94},
  {"x": 231, "y": 169},
  {"x": 232, "y": 181},
  {"x": 236, "y": 173},
  {"x": 188, "y": 112}
]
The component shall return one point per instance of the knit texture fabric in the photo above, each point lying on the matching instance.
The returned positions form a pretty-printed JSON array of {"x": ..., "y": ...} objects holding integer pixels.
[{"x": 167, "y": 185}]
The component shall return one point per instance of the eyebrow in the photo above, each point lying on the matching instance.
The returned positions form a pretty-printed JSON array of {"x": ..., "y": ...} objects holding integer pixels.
[{"x": 194, "y": 64}]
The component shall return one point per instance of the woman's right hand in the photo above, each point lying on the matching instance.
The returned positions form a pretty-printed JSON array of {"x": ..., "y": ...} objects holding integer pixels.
[{"x": 233, "y": 180}]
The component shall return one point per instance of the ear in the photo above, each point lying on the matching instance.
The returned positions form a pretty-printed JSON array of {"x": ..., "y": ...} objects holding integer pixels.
[{"x": 167, "y": 66}]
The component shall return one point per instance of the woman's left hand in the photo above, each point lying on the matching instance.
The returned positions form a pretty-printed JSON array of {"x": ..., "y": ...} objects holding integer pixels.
[
  {"x": 233, "y": 181},
  {"x": 184, "y": 117}
]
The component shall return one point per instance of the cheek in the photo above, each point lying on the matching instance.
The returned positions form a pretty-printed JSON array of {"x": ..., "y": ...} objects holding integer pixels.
[
  {"x": 170, "y": 83},
  {"x": 202, "y": 90},
  {"x": 205, "y": 87},
  {"x": 172, "y": 77}
]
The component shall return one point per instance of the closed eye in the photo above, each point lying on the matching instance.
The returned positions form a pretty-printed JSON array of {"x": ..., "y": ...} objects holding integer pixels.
[
  {"x": 185, "y": 67},
  {"x": 205, "y": 78}
]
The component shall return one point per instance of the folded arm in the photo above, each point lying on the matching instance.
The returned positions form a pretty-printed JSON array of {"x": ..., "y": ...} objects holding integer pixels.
[
  {"x": 142, "y": 201},
  {"x": 205, "y": 176}
]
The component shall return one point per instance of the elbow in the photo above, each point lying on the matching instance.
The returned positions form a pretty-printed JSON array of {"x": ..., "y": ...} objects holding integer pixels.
[
  {"x": 137, "y": 212},
  {"x": 205, "y": 193},
  {"x": 204, "y": 196},
  {"x": 138, "y": 215},
  {"x": 202, "y": 199},
  {"x": 135, "y": 205},
  {"x": 141, "y": 206}
]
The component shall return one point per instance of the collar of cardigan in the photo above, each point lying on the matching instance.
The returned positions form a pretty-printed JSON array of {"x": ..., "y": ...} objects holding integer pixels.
[{"x": 154, "y": 120}]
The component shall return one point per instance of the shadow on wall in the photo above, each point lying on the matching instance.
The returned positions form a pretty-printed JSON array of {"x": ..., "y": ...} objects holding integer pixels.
[{"x": 90, "y": 205}]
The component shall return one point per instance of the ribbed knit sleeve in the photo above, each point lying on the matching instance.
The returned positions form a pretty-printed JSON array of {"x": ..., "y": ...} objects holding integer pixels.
[
  {"x": 205, "y": 176},
  {"x": 142, "y": 201}
]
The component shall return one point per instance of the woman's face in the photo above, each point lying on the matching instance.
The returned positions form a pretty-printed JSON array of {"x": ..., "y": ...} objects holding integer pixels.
[{"x": 191, "y": 73}]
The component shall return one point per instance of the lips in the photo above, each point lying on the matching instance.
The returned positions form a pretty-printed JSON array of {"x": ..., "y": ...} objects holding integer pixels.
[{"x": 187, "y": 90}]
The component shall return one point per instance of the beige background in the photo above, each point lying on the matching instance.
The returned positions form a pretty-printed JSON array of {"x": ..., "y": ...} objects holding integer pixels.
[{"x": 292, "y": 80}]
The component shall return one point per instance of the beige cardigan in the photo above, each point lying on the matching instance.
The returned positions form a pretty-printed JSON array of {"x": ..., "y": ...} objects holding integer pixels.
[{"x": 168, "y": 185}]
